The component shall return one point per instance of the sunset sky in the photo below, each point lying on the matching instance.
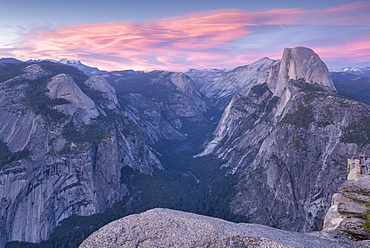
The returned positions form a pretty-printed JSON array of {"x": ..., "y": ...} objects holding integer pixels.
[{"x": 177, "y": 35}]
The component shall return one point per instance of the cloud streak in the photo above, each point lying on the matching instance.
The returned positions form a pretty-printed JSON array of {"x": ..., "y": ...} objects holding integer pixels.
[{"x": 221, "y": 38}]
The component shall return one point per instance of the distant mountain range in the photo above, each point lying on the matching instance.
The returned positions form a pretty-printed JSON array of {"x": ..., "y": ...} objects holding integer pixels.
[
  {"x": 359, "y": 71},
  {"x": 353, "y": 82},
  {"x": 90, "y": 71}
]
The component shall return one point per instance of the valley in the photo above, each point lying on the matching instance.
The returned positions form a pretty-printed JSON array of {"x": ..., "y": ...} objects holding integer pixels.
[{"x": 265, "y": 143}]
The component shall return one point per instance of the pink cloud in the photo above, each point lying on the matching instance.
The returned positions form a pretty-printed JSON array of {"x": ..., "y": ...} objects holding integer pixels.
[
  {"x": 350, "y": 14},
  {"x": 203, "y": 39},
  {"x": 356, "y": 51},
  {"x": 352, "y": 8}
]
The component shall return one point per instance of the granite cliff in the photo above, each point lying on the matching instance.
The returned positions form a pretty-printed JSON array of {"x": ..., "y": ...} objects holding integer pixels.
[
  {"x": 220, "y": 85},
  {"x": 66, "y": 137},
  {"x": 286, "y": 141}
]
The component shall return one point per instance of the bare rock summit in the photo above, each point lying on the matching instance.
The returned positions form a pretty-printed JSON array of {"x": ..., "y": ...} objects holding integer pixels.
[
  {"x": 100, "y": 84},
  {"x": 299, "y": 63},
  {"x": 64, "y": 87},
  {"x": 170, "y": 228}
]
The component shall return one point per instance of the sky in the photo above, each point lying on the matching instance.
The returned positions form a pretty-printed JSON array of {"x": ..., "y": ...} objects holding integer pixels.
[{"x": 178, "y": 35}]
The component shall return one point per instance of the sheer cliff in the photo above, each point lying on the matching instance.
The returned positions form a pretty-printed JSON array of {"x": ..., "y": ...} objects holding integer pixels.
[
  {"x": 221, "y": 85},
  {"x": 287, "y": 141},
  {"x": 65, "y": 139}
]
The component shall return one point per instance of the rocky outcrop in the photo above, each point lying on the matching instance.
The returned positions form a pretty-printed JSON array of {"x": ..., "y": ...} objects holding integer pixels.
[
  {"x": 100, "y": 84},
  {"x": 287, "y": 141},
  {"x": 17, "y": 122},
  {"x": 161, "y": 102},
  {"x": 68, "y": 169},
  {"x": 148, "y": 115},
  {"x": 67, "y": 146},
  {"x": 33, "y": 72},
  {"x": 186, "y": 85},
  {"x": 34, "y": 69},
  {"x": 299, "y": 63},
  {"x": 347, "y": 212},
  {"x": 64, "y": 87},
  {"x": 33, "y": 206},
  {"x": 220, "y": 86},
  {"x": 17, "y": 128},
  {"x": 36, "y": 195},
  {"x": 169, "y": 228}
]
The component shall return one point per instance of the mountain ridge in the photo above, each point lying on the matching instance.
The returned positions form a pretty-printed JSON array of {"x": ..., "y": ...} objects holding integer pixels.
[
  {"x": 136, "y": 139},
  {"x": 267, "y": 134}
]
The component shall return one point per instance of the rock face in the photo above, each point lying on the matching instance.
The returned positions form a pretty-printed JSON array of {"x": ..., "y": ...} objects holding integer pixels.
[
  {"x": 347, "y": 213},
  {"x": 100, "y": 84},
  {"x": 287, "y": 141},
  {"x": 34, "y": 69},
  {"x": 161, "y": 102},
  {"x": 169, "y": 228},
  {"x": 60, "y": 175},
  {"x": 63, "y": 86},
  {"x": 69, "y": 137},
  {"x": 220, "y": 86},
  {"x": 17, "y": 123},
  {"x": 299, "y": 63}
]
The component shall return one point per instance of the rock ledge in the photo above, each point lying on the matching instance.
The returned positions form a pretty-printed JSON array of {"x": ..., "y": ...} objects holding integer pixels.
[{"x": 170, "y": 228}]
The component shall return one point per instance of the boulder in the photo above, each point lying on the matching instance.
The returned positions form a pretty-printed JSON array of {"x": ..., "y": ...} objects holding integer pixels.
[{"x": 347, "y": 213}]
